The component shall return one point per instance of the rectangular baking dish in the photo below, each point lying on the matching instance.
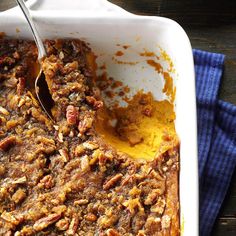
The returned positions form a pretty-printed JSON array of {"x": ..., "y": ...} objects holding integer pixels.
[{"x": 105, "y": 27}]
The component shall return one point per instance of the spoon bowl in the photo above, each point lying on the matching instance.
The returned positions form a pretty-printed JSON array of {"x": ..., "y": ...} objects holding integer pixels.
[{"x": 40, "y": 86}]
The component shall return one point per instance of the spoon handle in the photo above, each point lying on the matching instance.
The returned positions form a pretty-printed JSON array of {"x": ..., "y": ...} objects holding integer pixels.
[{"x": 37, "y": 38}]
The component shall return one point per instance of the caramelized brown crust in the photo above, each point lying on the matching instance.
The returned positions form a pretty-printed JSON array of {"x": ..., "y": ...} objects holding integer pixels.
[{"x": 62, "y": 178}]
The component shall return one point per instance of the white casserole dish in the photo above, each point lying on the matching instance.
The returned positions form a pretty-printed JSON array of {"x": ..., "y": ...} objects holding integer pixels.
[{"x": 105, "y": 25}]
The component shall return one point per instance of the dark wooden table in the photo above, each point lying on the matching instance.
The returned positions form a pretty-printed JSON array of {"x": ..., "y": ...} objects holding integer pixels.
[{"x": 211, "y": 26}]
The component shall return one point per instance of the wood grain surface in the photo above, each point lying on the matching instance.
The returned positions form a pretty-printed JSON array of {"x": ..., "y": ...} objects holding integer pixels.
[{"x": 211, "y": 26}]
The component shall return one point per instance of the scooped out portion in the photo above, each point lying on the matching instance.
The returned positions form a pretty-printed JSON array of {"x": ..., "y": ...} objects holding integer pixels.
[
  {"x": 68, "y": 177},
  {"x": 143, "y": 129}
]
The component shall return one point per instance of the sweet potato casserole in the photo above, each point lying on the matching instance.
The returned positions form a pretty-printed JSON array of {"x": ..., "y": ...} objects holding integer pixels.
[{"x": 68, "y": 176}]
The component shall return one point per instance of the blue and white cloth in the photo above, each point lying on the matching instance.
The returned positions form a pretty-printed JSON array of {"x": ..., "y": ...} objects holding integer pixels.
[{"x": 216, "y": 137}]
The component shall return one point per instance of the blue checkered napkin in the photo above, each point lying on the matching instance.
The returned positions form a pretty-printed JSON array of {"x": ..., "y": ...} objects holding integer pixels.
[{"x": 216, "y": 137}]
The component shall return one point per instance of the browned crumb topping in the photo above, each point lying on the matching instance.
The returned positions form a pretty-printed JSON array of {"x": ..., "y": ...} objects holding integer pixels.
[{"x": 62, "y": 178}]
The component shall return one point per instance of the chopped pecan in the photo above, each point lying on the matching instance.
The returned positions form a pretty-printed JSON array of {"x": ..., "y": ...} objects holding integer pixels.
[
  {"x": 27, "y": 230},
  {"x": 90, "y": 100},
  {"x": 152, "y": 224},
  {"x": 98, "y": 104},
  {"x": 2, "y": 170},
  {"x": 91, "y": 217},
  {"x": 107, "y": 221},
  {"x": 165, "y": 222},
  {"x": 64, "y": 154},
  {"x": 90, "y": 145},
  {"x": 81, "y": 202},
  {"x": 4, "y": 111},
  {"x": 50, "y": 66},
  {"x": 134, "y": 191},
  {"x": 11, "y": 124},
  {"x": 141, "y": 233},
  {"x": 9, "y": 217},
  {"x": 61, "y": 55},
  {"x": 63, "y": 224},
  {"x": 46, "y": 221},
  {"x": 69, "y": 67},
  {"x": 59, "y": 209},
  {"x": 95, "y": 156},
  {"x": 60, "y": 137},
  {"x": 133, "y": 204},
  {"x": 47, "y": 181},
  {"x": 10, "y": 83},
  {"x": 85, "y": 124},
  {"x": 44, "y": 140},
  {"x": 73, "y": 226},
  {"x": 151, "y": 197},
  {"x": 16, "y": 55},
  {"x": 96, "y": 92},
  {"x": 159, "y": 206},
  {"x": 112, "y": 181},
  {"x": 19, "y": 195},
  {"x": 112, "y": 232},
  {"x": 79, "y": 150},
  {"x": 93, "y": 101},
  {"x": 84, "y": 163},
  {"x": 71, "y": 115},
  {"x": 20, "y": 180},
  {"x": 128, "y": 179}
]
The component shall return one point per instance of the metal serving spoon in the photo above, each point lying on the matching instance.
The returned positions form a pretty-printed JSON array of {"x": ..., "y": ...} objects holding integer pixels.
[{"x": 41, "y": 88}]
